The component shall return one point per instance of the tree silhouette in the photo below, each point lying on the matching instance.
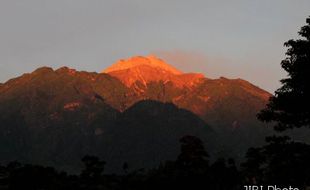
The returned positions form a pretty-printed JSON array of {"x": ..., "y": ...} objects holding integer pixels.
[
  {"x": 35, "y": 177},
  {"x": 93, "y": 168},
  {"x": 288, "y": 108},
  {"x": 193, "y": 155},
  {"x": 283, "y": 161},
  {"x": 125, "y": 167}
]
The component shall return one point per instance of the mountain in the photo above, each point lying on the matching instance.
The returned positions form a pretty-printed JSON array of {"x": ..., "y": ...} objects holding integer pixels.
[{"x": 135, "y": 111}]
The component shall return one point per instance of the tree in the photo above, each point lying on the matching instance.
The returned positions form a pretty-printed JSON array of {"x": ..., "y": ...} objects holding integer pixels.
[
  {"x": 289, "y": 107},
  {"x": 193, "y": 154},
  {"x": 93, "y": 167},
  {"x": 281, "y": 162},
  {"x": 125, "y": 167}
]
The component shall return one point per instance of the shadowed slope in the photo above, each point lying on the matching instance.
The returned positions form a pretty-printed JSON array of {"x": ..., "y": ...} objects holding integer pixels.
[
  {"x": 50, "y": 117},
  {"x": 148, "y": 133}
]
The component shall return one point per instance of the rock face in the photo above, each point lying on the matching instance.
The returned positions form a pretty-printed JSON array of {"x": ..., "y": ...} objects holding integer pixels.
[{"x": 133, "y": 112}]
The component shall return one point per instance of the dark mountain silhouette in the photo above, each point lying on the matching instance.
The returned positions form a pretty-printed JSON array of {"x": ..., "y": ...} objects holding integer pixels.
[{"x": 148, "y": 133}]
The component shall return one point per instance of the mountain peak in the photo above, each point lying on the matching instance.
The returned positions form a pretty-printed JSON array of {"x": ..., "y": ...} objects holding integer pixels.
[{"x": 136, "y": 61}]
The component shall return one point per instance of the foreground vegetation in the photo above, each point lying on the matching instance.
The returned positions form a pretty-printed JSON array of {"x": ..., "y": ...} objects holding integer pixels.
[{"x": 282, "y": 162}]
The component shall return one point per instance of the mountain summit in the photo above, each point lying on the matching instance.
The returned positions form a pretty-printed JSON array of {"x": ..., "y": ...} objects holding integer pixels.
[
  {"x": 151, "y": 61},
  {"x": 139, "y": 71}
]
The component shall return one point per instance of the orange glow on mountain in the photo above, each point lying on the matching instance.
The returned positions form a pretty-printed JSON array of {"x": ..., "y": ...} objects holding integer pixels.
[
  {"x": 151, "y": 61},
  {"x": 148, "y": 69}
]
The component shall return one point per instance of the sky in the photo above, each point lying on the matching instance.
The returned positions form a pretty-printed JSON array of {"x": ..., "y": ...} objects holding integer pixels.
[{"x": 233, "y": 39}]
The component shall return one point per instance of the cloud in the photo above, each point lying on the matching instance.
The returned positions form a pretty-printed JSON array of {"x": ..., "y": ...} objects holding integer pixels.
[{"x": 191, "y": 61}]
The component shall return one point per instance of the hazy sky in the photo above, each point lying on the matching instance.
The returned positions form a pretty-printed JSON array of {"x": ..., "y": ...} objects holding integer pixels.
[{"x": 235, "y": 39}]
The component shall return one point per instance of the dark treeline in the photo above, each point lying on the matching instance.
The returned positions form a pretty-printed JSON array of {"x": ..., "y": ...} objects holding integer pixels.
[
  {"x": 282, "y": 162},
  {"x": 190, "y": 169}
]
